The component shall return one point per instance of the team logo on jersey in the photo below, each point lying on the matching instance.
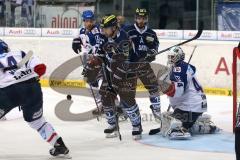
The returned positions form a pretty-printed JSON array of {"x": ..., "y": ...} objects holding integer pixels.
[
  {"x": 142, "y": 48},
  {"x": 149, "y": 39},
  {"x": 177, "y": 69},
  {"x": 141, "y": 40},
  {"x": 177, "y": 78}
]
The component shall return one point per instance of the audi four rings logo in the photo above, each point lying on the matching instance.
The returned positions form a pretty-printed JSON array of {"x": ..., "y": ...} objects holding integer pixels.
[
  {"x": 206, "y": 34},
  {"x": 236, "y": 35},
  {"x": 29, "y": 31},
  {"x": 67, "y": 32},
  {"x": 172, "y": 34}
]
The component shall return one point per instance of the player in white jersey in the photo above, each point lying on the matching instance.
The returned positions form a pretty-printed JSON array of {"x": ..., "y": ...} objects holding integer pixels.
[
  {"x": 88, "y": 38},
  {"x": 87, "y": 42},
  {"x": 21, "y": 87},
  {"x": 187, "y": 99}
]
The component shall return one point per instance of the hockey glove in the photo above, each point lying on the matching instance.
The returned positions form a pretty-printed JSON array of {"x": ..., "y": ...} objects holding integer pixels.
[
  {"x": 150, "y": 55},
  {"x": 76, "y": 45}
]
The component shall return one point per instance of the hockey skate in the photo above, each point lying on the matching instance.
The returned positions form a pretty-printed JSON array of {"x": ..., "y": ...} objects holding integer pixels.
[
  {"x": 137, "y": 132},
  {"x": 60, "y": 150},
  {"x": 179, "y": 134},
  {"x": 111, "y": 132}
]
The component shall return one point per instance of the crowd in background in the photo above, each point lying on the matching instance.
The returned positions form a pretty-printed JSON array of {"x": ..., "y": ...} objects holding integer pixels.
[{"x": 16, "y": 13}]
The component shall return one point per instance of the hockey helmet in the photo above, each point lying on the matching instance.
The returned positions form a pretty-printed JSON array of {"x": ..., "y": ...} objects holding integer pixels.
[
  {"x": 88, "y": 15},
  {"x": 109, "y": 21},
  {"x": 175, "y": 55}
]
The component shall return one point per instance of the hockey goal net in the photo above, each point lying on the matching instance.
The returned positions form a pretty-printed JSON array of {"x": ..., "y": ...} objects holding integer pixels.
[{"x": 236, "y": 83}]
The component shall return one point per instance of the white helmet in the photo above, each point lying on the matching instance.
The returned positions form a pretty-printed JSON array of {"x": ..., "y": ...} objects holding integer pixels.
[{"x": 175, "y": 55}]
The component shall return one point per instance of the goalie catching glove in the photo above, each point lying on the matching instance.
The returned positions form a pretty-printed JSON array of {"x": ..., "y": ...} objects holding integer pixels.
[{"x": 166, "y": 86}]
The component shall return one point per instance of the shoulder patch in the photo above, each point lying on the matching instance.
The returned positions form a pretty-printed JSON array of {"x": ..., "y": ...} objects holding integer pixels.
[
  {"x": 177, "y": 69},
  {"x": 149, "y": 39}
]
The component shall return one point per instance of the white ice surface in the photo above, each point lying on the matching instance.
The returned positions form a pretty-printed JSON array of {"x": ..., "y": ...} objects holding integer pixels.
[{"x": 86, "y": 140}]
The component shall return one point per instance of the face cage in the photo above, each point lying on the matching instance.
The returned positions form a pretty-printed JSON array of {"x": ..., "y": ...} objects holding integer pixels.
[{"x": 174, "y": 59}]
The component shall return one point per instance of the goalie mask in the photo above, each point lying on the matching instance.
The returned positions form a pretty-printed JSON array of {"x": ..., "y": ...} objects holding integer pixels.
[{"x": 175, "y": 55}]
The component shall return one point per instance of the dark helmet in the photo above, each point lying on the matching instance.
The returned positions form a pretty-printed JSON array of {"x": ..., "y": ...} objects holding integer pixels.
[
  {"x": 109, "y": 21},
  {"x": 141, "y": 12},
  {"x": 3, "y": 47}
]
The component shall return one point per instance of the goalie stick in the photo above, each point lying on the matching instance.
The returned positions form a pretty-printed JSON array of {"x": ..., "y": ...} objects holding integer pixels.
[
  {"x": 199, "y": 33},
  {"x": 19, "y": 64},
  {"x": 157, "y": 130}
]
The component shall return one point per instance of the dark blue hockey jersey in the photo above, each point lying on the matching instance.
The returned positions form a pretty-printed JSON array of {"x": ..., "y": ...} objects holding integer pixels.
[
  {"x": 120, "y": 45},
  {"x": 143, "y": 41}
]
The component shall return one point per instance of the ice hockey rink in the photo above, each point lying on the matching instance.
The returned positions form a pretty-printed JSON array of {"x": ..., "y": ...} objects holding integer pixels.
[{"x": 86, "y": 140}]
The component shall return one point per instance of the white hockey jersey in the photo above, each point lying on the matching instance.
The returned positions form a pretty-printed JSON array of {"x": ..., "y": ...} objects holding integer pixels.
[
  {"x": 189, "y": 95},
  {"x": 90, "y": 40},
  {"x": 17, "y": 75}
]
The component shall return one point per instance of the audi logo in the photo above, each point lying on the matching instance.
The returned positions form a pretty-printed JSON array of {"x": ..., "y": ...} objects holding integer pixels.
[
  {"x": 206, "y": 34},
  {"x": 67, "y": 32},
  {"x": 236, "y": 35},
  {"x": 172, "y": 34},
  {"x": 30, "y": 31}
]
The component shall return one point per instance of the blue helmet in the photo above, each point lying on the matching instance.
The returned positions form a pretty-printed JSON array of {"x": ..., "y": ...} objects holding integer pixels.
[
  {"x": 88, "y": 14},
  {"x": 3, "y": 47}
]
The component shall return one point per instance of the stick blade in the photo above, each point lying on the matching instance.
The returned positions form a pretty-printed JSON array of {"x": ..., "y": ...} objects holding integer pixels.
[
  {"x": 154, "y": 131},
  {"x": 200, "y": 29}
]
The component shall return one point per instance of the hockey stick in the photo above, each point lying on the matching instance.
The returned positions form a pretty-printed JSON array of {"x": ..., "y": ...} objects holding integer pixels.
[
  {"x": 157, "y": 130},
  {"x": 199, "y": 33},
  {"x": 192, "y": 54},
  {"x": 20, "y": 64},
  {"x": 91, "y": 89}
]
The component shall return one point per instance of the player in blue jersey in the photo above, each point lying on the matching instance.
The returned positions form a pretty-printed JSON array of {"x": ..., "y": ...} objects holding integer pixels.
[{"x": 87, "y": 42}]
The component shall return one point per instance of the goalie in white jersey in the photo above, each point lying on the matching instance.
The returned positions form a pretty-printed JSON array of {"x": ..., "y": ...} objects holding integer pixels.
[
  {"x": 187, "y": 99},
  {"x": 21, "y": 87}
]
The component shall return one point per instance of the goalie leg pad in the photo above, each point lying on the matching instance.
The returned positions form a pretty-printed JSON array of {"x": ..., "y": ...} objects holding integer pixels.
[
  {"x": 204, "y": 125},
  {"x": 169, "y": 123},
  {"x": 172, "y": 128}
]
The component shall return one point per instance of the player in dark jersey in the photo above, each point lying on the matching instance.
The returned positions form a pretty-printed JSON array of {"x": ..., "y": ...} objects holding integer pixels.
[
  {"x": 145, "y": 43},
  {"x": 113, "y": 52}
]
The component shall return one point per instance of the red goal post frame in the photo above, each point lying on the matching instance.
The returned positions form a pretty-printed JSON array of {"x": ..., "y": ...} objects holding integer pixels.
[{"x": 236, "y": 57}]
